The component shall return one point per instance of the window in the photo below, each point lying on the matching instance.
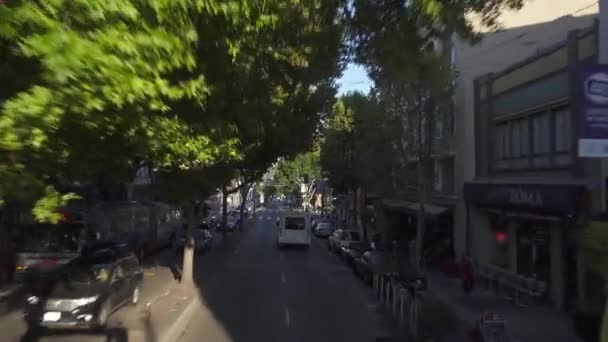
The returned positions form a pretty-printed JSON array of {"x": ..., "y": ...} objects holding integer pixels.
[
  {"x": 499, "y": 142},
  {"x": 561, "y": 129},
  {"x": 503, "y": 140},
  {"x": 515, "y": 139},
  {"x": 524, "y": 132},
  {"x": 541, "y": 133},
  {"x": 437, "y": 176},
  {"x": 295, "y": 223}
]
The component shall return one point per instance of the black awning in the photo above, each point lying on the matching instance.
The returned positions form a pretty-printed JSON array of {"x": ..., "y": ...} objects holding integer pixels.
[
  {"x": 558, "y": 199},
  {"x": 411, "y": 208}
]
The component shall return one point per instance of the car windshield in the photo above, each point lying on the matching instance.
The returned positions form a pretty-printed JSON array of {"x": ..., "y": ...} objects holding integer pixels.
[
  {"x": 91, "y": 273},
  {"x": 295, "y": 223}
]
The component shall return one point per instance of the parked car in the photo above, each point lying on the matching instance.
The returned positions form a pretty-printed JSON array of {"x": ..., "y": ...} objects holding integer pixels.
[
  {"x": 232, "y": 223},
  {"x": 323, "y": 230},
  {"x": 203, "y": 240},
  {"x": 371, "y": 262},
  {"x": 353, "y": 251},
  {"x": 341, "y": 238},
  {"x": 85, "y": 292}
]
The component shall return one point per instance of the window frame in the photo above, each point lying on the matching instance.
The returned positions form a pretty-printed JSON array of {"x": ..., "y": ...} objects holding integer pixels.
[{"x": 567, "y": 121}]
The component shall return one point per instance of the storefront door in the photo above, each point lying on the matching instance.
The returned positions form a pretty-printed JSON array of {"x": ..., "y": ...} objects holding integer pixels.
[{"x": 533, "y": 253}]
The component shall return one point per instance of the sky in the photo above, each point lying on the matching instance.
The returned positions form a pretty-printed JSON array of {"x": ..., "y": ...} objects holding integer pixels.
[{"x": 354, "y": 78}]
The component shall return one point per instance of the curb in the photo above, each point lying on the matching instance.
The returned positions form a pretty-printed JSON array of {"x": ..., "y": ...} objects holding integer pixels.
[{"x": 174, "y": 332}]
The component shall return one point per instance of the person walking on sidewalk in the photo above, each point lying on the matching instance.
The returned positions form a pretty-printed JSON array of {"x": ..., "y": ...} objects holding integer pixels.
[{"x": 467, "y": 273}]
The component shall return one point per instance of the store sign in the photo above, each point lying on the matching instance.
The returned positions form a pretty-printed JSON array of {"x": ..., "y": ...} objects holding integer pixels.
[
  {"x": 592, "y": 81},
  {"x": 526, "y": 197},
  {"x": 558, "y": 199}
]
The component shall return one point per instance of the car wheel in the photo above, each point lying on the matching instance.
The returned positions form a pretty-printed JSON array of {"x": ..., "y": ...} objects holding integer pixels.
[
  {"x": 102, "y": 315},
  {"x": 135, "y": 296}
]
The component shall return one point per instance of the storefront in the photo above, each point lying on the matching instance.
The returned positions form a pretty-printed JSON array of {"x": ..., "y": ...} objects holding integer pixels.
[
  {"x": 401, "y": 218},
  {"x": 532, "y": 229}
]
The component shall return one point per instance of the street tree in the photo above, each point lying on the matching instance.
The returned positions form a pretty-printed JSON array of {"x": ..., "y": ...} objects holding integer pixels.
[
  {"x": 301, "y": 172},
  {"x": 182, "y": 85}
]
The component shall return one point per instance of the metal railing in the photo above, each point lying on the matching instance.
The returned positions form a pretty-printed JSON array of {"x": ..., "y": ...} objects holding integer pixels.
[{"x": 402, "y": 299}]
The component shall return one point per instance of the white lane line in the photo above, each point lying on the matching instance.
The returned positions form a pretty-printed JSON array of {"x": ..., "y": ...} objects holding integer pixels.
[
  {"x": 268, "y": 218},
  {"x": 283, "y": 279},
  {"x": 287, "y": 318}
]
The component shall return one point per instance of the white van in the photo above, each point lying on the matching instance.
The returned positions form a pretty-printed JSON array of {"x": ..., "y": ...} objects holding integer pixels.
[{"x": 294, "y": 229}]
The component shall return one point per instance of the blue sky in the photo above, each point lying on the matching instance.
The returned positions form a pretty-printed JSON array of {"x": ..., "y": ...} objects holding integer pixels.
[{"x": 354, "y": 78}]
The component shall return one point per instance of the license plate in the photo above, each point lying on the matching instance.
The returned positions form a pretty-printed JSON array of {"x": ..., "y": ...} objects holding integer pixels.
[{"x": 51, "y": 316}]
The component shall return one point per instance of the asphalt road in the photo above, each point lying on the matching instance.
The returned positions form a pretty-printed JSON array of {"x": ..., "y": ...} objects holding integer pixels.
[{"x": 251, "y": 291}]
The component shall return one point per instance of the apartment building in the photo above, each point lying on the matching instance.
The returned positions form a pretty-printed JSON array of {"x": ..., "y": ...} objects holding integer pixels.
[{"x": 522, "y": 192}]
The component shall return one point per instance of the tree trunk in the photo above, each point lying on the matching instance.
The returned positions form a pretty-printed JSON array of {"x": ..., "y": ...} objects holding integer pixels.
[
  {"x": 244, "y": 193},
  {"x": 255, "y": 200},
  {"x": 187, "y": 279},
  {"x": 355, "y": 211},
  {"x": 420, "y": 227},
  {"x": 364, "y": 219},
  {"x": 224, "y": 212}
]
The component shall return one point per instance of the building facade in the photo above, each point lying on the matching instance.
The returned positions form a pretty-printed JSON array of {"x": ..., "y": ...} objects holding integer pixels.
[
  {"x": 531, "y": 195},
  {"x": 521, "y": 191}
]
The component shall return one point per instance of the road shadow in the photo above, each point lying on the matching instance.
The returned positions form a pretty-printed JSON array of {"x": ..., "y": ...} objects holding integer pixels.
[
  {"x": 118, "y": 334},
  {"x": 12, "y": 301}
]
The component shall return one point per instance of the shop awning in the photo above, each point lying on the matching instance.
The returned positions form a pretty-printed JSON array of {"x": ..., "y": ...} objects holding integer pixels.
[{"x": 412, "y": 208}]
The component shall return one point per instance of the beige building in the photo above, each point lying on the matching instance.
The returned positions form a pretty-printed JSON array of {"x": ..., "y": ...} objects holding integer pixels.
[{"x": 514, "y": 142}]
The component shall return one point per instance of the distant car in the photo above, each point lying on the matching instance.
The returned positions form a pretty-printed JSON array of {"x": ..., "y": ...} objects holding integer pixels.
[
  {"x": 323, "y": 230},
  {"x": 341, "y": 238},
  {"x": 85, "y": 292}
]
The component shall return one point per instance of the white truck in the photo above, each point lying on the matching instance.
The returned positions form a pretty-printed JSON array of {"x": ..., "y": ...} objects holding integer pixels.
[{"x": 294, "y": 229}]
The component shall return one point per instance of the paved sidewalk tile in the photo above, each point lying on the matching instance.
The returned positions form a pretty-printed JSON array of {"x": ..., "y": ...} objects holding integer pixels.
[{"x": 531, "y": 324}]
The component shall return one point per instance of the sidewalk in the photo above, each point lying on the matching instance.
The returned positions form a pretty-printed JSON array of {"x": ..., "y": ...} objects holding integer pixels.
[{"x": 531, "y": 324}]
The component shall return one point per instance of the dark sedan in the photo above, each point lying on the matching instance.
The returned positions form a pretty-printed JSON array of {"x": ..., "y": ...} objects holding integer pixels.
[
  {"x": 353, "y": 251},
  {"x": 85, "y": 292}
]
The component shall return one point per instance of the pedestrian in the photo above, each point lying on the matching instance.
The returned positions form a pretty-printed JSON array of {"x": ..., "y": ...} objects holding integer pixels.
[{"x": 467, "y": 272}]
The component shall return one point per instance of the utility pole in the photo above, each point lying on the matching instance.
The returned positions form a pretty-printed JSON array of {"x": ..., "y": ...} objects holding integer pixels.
[
  {"x": 603, "y": 59},
  {"x": 602, "y": 40}
]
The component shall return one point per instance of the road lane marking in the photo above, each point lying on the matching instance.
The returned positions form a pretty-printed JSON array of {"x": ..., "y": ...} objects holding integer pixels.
[
  {"x": 281, "y": 257},
  {"x": 236, "y": 251},
  {"x": 268, "y": 218},
  {"x": 283, "y": 279},
  {"x": 287, "y": 318}
]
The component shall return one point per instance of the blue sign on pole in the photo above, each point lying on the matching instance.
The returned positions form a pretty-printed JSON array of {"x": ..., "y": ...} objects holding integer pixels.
[{"x": 592, "y": 82}]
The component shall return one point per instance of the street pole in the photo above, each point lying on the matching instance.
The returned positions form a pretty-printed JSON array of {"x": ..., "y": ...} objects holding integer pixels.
[{"x": 603, "y": 59}]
